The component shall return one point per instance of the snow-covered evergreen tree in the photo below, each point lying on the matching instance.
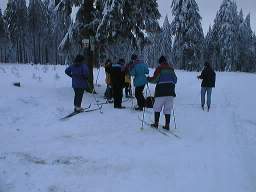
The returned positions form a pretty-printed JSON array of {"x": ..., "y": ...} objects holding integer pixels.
[
  {"x": 107, "y": 22},
  {"x": 127, "y": 19},
  {"x": 34, "y": 33},
  {"x": 246, "y": 59},
  {"x": 110, "y": 21},
  {"x": 188, "y": 32},
  {"x": 241, "y": 17},
  {"x": 161, "y": 44},
  {"x": 16, "y": 18},
  {"x": 152, "y": 52},
  {"x": 254, "y": 52},
  {"x": 59, "y": 25},
  {"x": 165, "y": 40},
  {"x": 4, "y": 40},
  {"x": 38, "y": 22},
  {"x": 124, "y": 49},
  {"x": 225, "y": 33},
  {"x": 208, "y": 49}
]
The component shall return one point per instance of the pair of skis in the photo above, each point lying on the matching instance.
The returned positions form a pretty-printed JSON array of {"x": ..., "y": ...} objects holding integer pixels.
[
  {"x": 160, "y": 130},
  {"x": 111, "y": 102},
  {"x": 86, "y": 110}
]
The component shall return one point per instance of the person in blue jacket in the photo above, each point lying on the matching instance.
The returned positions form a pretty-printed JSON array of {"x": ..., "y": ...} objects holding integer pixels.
[
  {"x": 79, "y": 72},
  {"x": 139, "y": 70}
]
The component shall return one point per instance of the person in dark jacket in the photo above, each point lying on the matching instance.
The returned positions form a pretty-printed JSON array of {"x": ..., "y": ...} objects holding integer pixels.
[
  {"x": 165, "y": 79},
  {"x": 117, "y": 82},
  {"x": 79, "y": 72},
  {"x": 208, "y": 77},
  {"x": 139, "y": 70}
]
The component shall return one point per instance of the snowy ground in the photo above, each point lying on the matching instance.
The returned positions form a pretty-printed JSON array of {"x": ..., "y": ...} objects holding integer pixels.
[{"x": 108, "y": 152}]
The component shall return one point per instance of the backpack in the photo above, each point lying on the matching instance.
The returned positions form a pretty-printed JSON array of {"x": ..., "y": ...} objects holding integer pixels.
[{"x": 149, "y": 103}]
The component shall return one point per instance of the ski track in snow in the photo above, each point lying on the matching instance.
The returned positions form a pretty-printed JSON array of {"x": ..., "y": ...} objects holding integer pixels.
[{"x": 93, "y": 152}]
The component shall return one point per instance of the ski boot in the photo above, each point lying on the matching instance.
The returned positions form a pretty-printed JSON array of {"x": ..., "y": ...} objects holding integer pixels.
[
  {"x": 157, "y": 117},
  {"x": 167, "y": 122},
  {"x": 78, "y": 109}
]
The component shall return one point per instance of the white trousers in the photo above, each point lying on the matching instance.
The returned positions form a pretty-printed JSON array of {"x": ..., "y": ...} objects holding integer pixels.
[{"x": 164, "y": 102}]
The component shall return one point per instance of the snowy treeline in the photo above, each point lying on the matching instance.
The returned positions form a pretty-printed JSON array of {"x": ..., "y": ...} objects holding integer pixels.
[
  {"x": 31, "y": 33},
  {"x": 230, "y": 44},
  {"x": 40, "y": 32}
]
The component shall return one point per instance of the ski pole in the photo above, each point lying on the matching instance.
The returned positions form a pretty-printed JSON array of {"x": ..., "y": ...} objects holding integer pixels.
[
  {"x": 97, "y": 102},
  {"x": 152, "y": 101},
  {"x": 132, "y": 97},
  {"x": 143, "y": 119},
  {"x": 149, "y": 90},
  {"x": 174, "y": 118},
  {"x": 98, "y": 73},
  {"x": 143, "y": 116}
]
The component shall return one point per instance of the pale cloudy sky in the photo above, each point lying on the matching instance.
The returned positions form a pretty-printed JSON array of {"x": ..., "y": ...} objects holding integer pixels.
[{"x": 208, "y": 10}]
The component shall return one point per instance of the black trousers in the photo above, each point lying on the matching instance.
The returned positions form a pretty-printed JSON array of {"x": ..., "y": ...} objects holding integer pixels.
[
  {"x": 139, "y": 96},
  {"x": 117, "y": 95},
  {"x": 79, "y": 92}
]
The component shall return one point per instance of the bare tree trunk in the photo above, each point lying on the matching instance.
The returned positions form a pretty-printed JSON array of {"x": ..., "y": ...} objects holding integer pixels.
[
  {"x": 19, "y": 48},
  {"x": 56, "y": 51},
  {"x": 88, "y": 9},
  {"x": 5, "y": 56},
  {"x": 46, "y": 55},
  {"x": 1, "y": 57},
  {"x": 34, "y": 48},
  {"x": 39, "y": 48},
  {"x": 24, "y": 51},
  {"x": 17, "y": 51}
]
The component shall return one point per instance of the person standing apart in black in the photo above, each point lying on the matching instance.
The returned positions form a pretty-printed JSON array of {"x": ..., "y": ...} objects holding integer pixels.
[{"x": 208, "y": 77}]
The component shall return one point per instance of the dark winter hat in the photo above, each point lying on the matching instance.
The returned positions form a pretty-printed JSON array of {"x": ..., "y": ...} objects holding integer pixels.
[
  {"x": 162, "y": 59},
  {"x": 79, "y": 59},
  {"x": 134, "y": 57}
]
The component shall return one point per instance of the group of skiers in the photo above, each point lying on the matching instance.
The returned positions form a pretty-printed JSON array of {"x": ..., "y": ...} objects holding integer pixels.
[{"x": 118, "y": 77}]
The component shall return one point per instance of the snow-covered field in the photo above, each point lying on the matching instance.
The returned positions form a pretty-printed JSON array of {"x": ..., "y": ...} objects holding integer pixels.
[{"x": 108, "y": 152}]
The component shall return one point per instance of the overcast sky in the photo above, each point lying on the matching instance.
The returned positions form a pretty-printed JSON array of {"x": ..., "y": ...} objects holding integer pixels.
[{"x": 208, "y": 10}]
